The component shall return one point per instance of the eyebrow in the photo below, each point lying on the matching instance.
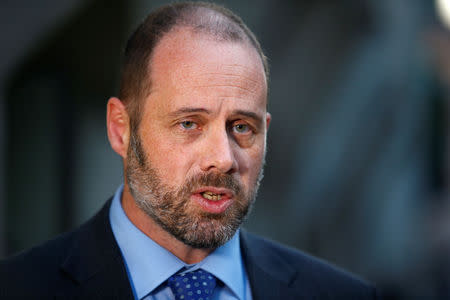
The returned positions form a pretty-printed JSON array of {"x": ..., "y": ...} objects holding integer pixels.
[
  {"x": 249, "y": 114},
  {"x": 186, "y": 110}
]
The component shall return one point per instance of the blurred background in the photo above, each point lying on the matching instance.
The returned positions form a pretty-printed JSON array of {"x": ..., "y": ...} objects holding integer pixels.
[{"x": 358, "y": 162}]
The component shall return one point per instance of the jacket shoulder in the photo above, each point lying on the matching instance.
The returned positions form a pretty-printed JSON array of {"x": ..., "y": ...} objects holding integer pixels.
[
  {"x": 304, "y": 273},
  {"x": 37, "y": 269},
  {"x": 57, "y": 266}
]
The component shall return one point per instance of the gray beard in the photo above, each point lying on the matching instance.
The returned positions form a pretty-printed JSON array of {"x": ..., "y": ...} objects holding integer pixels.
[{"x": 171, "y": 209}]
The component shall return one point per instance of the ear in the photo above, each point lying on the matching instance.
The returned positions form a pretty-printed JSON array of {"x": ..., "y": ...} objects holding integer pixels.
[
  {"x": 268, "y": 119},
  {"x": 118, "y": 125}
]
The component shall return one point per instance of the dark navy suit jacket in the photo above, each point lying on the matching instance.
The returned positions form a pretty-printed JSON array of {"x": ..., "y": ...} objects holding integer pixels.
[{"x": 87, "y": 264}]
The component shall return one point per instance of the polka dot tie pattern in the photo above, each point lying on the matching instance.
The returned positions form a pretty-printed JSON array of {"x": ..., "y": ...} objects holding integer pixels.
[{"x": 196, "y": 285}]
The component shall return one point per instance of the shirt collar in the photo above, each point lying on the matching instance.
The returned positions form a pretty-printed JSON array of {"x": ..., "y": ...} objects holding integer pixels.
[
  {"x": 227, "y": 265},
  {"x": 149, "y": 264}
]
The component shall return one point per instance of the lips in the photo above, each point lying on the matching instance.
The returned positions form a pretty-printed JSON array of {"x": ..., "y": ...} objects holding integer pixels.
[{"x": 212, "y": 199}]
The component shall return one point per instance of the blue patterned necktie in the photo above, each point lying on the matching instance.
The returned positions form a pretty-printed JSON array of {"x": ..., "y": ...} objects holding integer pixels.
[{"x": 195, "y": 285}]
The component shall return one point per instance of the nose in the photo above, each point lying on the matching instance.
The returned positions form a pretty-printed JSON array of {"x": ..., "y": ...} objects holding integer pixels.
[{"x": 218, "y": 153}]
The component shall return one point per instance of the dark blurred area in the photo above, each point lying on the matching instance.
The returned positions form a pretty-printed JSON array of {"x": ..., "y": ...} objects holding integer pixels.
[{"x": 358, "y": 151}]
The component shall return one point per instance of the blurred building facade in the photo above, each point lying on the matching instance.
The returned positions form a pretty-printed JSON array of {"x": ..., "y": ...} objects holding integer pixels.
[{"x": 356, "y": 150}]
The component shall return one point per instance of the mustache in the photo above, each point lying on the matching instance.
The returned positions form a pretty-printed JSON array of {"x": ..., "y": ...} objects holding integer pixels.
[{"x": 214, "y": 179}]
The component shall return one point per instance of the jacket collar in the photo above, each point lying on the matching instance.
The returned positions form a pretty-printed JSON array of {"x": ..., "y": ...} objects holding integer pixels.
[
  {"x": 270, "y": 276},
  {"x": 94, "y": 260}
]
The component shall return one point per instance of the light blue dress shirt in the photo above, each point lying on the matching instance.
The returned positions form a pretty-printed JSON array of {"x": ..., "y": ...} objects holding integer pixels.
[{"x": 149, "y": 265}]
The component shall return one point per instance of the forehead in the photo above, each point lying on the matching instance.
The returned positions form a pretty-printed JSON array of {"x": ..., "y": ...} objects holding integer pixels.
[{"x": 189, "y": 63}]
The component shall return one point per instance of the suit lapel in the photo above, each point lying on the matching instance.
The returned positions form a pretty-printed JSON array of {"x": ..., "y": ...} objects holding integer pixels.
[
  {"x": 95, "y": 262},
  {"x": 269, "y": 275}
]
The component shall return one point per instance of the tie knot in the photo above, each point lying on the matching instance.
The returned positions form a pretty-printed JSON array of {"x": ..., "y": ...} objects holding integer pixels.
[{"x": 196, "y": 285}]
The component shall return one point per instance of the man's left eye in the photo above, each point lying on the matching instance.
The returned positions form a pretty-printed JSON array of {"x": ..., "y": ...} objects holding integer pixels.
[
  {"x": 188, "y": 125},
  {"x": 241, "y": 128}
]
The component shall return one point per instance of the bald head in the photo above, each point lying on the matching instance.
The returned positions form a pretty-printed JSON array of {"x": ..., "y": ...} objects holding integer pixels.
[{"x": 204, "y": 18}]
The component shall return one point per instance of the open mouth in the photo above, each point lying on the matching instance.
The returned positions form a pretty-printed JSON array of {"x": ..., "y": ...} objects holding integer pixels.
[
  {"x": 213, "y": 193},
  {"x": 211, "y": 196},
  {"x": 213, "y": 199}
]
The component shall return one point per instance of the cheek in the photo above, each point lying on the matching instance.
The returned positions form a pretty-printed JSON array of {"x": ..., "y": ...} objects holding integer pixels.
[
  {"x": 250, "y": 163},
  {"x": 171, "y": 154},
  {"x": 171, "y": 160}
]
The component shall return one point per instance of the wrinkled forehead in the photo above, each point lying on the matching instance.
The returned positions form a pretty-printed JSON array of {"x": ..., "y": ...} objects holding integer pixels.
[{"x": 183, "y": 55}]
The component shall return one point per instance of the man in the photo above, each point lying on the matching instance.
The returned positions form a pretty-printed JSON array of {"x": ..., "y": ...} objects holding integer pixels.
[{"x": 190, "y": 124}]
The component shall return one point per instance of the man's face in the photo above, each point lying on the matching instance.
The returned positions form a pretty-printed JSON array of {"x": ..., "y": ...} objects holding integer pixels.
[{"x": 195, "y": 163}]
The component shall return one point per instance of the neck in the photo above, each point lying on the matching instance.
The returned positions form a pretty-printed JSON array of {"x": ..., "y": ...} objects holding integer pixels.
[{"x": 151, "y": 229}]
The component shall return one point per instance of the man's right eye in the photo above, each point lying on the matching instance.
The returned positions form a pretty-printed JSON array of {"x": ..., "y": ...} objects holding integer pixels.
[{"x": 188, "y": 125}]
